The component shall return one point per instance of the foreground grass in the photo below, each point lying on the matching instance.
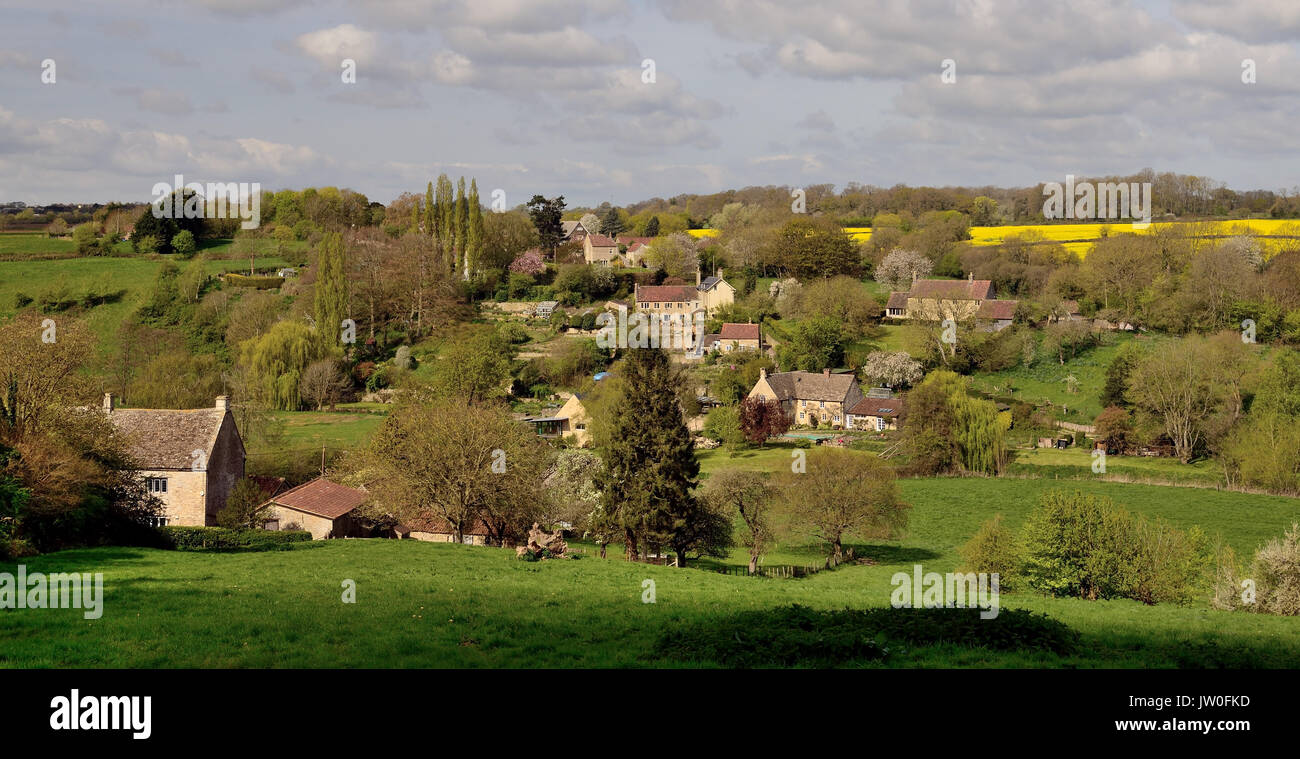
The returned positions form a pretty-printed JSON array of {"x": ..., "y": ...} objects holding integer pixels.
[{"x": 440, "y": 605}]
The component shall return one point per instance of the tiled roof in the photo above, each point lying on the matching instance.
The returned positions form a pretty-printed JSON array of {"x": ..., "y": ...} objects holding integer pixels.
[
  {"x": 997, "y": 309},
  {"x": 601, "y": 241},
  {"x": 666, "y": 293},
  {"x": 732, "y": 331},
  {"x": 810, "y": 386},
  {"x": 1070, "y": 306},
  {"x": 322, "y": 498},
  {"x": 883, "y": 407},
  {"x": 709, "y": 283},
  {"x": 897, "y": 300},
  {"x": 952, "y": 289},
  {"x": 167, "y": 438}
]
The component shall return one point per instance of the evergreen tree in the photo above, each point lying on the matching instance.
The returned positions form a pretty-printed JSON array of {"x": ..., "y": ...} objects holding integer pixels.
[
  {"x": 612, "y": 225},
  {"x": 650, "y": 466},
  {"x": 652, "y": 227},
  {"x": 330, "y": 298}
]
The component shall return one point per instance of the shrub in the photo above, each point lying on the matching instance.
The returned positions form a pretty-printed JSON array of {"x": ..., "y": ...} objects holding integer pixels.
[
  {"x": 1086, "y": 546},
  {"x": 1274, "y": 574},
  {"x": 222, "y": 539},
  {"x": 992, "y": 549}
]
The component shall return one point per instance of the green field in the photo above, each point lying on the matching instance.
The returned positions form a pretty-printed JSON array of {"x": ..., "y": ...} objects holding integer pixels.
[
  {"x": 430, "y": 605},
  {"x": 14, "y": 245},
  {"x": 335, "y": 430}
]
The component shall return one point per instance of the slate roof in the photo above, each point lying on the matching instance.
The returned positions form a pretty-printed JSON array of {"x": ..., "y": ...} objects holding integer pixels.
[
  {"x": 167, "y": 438},
  {"x": 882, "y": 407},
  {"x": 952, "y": 289},
  {"x": 809, "y": 386},
  {"x": 322, "y": 498},
  {"x": 736, "y": 331}
]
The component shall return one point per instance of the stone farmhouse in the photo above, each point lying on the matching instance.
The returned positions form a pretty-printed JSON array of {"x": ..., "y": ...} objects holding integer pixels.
[
  {"x": 809, "y": 398},
  {"x": 709, "y": 294},
  {"x": 189, "y": 458},
  {"x": 937, "y": 299}
]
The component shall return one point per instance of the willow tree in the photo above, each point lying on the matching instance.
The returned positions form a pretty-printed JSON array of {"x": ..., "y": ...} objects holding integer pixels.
[{"x": 274, "y": 363}]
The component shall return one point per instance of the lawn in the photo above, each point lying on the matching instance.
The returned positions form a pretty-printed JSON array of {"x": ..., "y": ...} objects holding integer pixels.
[
  {"x": 336, "y": 430},
  {"x": 1076, "y": 463},
  {"x": 445, "y": 605}
]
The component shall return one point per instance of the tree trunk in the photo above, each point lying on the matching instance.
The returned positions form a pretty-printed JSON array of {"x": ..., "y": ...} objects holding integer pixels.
[
  {"x": 602, "y": 550},
  {"x": 839, "y": 550},
  {"x": 753, "y": 563},
  {"x": 629, "y": 545}
]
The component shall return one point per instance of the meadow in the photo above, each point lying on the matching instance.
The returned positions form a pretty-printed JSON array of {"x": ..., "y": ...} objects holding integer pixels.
[{"x": 445, "y": 605}]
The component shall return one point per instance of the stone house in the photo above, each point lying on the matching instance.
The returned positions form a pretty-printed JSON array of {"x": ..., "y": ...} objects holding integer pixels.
[
  {"x": 321, "y": 507},
  {"x": 740, "y": 337},
  {"x": 571, "y": 419},
  {"x": 878, "y": 412},
  {"x": 809, "y": 398},
  {"x": 189, "y": 458},
  {"x": 434, "y": 530},
  {"x": 600, "y": 250}
]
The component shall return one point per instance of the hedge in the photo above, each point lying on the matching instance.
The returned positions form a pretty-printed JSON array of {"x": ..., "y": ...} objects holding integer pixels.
[
  {"x": 261, "y": 283},
  {"x": 223, "y": 539}
]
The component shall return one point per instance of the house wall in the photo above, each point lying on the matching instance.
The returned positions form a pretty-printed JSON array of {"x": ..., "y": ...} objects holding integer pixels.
[
  {"x": 184, "y": 503},
  {"x": 805, "y": 410},
  {"x": 225, "y": 468},
  {"x": 934, "y": 309},
  {"x": 730, "y": 345},
  {"x": 447, "y": 537},
  {"x": 319, "y": 527}
]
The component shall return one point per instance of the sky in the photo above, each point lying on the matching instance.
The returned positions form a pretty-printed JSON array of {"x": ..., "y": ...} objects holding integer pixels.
[{"x": 625, "y": 100}]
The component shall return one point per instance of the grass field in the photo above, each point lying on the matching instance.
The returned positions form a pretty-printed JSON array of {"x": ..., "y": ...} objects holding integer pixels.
[
  {"x": 336, "y": 430},
  {"x": 431, "y": 605}
]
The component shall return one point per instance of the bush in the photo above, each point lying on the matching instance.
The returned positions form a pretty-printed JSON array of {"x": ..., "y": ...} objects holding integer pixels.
[
  {"x": 992, "y": 549},
  {"x": 222, "y": 539},
  {"x": 1275, "y": 575},
  {"x": 1086, "y": 546}
]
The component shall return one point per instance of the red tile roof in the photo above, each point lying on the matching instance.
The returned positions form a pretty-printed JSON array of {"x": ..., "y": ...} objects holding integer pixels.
[
  {"x": 666, "y": 293},
  {"x": 997, "y": 309},
  {"x": 882, "y": 407},
  {"x": 322, "y": 498},
  {"x": 732, "y": 331},
  {"x": 601, "y": 241},
  {"x": 952, "y": 289}
]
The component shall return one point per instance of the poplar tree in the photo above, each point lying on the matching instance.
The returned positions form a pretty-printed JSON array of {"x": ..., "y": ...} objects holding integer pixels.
[
  {"x": 430, "y": 223},
  {"x": 459, "y": 222},
  {"x": 330, "y": 298},
  {"x": 445, "y": 215},
  {"x": 474, "y": 238}
]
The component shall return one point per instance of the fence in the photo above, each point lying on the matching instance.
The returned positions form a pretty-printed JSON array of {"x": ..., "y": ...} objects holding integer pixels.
[{"x": 788, "y": 570}]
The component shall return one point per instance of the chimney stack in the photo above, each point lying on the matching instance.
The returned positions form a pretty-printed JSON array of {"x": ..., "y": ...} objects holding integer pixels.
[
  {"x": 826, "y": 372},
  {"x": 223, "y": 402},
  {"x": 970, "y": 277},
  {"x": 762, "y": 373},
  {"x": 109, "y": 405},
  {"x": 697, "y": 276}
]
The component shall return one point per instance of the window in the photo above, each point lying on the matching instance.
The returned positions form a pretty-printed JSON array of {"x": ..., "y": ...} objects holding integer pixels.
[
  {"x": 156, "y": 521},
  {"x": 880, "y": 424},
  {"x": 821, "y": 404},
  {"x": 155, "y": 484}
]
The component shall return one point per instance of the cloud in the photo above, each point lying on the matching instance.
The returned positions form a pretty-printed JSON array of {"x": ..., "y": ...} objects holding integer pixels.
[
  {"x": 155, "y": 100},
  {"x": 330, "y": 46},
  {"x": 819, "y": 121},
  {"x": 272, "y": 79}
]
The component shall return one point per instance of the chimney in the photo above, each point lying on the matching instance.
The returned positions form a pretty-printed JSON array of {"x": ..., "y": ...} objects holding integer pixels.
[
  {"x": 826, "y": 372},
  {"x": 697, "y": 276},
  {"x": 970, "y": 277},
  {"x": 109, "y": 405},
  {"x": 223, "y": 402},
  {"x": 762, "y": 372}
]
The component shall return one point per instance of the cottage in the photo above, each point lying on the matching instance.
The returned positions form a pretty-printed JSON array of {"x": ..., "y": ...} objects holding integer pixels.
[
  {"x": 571, "y": 419},
  {"x": 938, "y": 299},
  {"x": 321, "y": 507},
  {"x": 189, "y": 458},
  {"x": 432, "y": 529},
  {"x": 744, "y": 337},
  {"x": 875, "y": 413},
  {"x": 810, "y": 398},
  {"x": 996, "y": 315},
  {"x": 573, "y": 231},
  {"x": 600, "y": 250}
]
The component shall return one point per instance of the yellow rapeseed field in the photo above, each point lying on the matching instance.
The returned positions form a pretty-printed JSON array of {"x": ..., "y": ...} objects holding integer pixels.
[{"x": 1079, "y": 238}]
